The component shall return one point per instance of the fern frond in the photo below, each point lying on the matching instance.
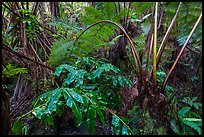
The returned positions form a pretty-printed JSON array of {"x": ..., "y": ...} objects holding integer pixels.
[
  {"x": 109, "y": 10},
  {"x": 192, "y": 102},
  {"x": 193, "y": 126},
  {"x": 60, "y": 51},
  {"x": 183, "y": 112},
  {"x": 11, "y": 70}
]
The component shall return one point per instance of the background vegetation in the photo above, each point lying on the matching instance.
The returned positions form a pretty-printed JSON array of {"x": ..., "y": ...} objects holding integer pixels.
[{"x": 105, "y": 68}]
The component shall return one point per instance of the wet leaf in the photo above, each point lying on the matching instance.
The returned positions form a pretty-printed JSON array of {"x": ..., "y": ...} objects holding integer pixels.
[
  {"x": 125, "y": 130},
  {"x": 76, "y": 96},
  {"x": 91, "y": 118},
  {"x": 100, "y": 115}
]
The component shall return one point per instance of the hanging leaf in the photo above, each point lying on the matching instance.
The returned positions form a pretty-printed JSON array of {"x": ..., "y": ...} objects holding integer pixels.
[
  {"x": 91, "y": 118},
  {"x": 75, "y": 108},
  {"x": 100, "y": 115}
]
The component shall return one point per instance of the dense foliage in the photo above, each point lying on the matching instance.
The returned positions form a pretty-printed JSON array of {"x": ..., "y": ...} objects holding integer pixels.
[{"x": 123, "y": 68}]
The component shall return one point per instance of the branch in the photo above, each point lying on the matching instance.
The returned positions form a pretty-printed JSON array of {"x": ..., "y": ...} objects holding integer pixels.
[{"x": 23, "y": 56}]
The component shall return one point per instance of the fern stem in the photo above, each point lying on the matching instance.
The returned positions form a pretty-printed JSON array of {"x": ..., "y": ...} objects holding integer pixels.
[
  {"x": 161, "y": 48},
  {"x": 181, "y": 51},
  {"x": 155, "y": 48},
  {"x": 133, "y": 50}
]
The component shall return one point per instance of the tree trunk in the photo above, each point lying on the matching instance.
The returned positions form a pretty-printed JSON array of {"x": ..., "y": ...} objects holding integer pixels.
[{"x": 54, "y": 9}]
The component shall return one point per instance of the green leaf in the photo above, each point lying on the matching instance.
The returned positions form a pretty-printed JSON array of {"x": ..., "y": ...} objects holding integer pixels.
[
  {"x": 114, "y": 69},
  {"x": 70, "y": 102},
  {"x": 91, "y": 118},
  {"x": 127, "y": 81},
  {"x": 97, "y": 72},
  {"x": 47, "y": 118},
  {"x": 192, "y": 119},
  {"x": 73, "y": 105},
  {"x": 59, "y": 70},
  {"x": 76, "y": 96},
  {"x": 113, "y": 40},
  {"x": 17, "y": 127},
  {"x": 25, "y": 129},
  {"x": 116, "y": 124},
  {"x": 115, "y": 81},
  {"x": 121, "y": 81},
  {"x": 115, "y": 121},
  {"x": 145, "y": 27},
  {"x": 70, "y": 78},
  {"x": 125, "y": 130},
  {"x": 38, "y": 112},
  {"x": 193, "y": 126},
  {"x": 197, "y": 105},
  {"x": 109, "y": 10},
  {"x": 169, "y": 88},
  {"x": 11, "y": 70},
  {"x": 100, "y": 115},
  {"x": 77, "y": 113},
  {"x": 183, "y": 112}
]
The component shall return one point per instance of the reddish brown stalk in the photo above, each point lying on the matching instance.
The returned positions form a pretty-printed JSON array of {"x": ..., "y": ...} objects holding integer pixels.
[
  {"x": 182, "y": 49},
  {"x": 162, "y": 46},
  {"x": 149, "y": 54},
  {"x": 34, "y": 51}
]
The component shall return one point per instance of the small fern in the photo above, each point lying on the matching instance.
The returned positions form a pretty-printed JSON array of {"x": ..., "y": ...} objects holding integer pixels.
[
  {"x": 187, "y": 120},
  {"x": 182, "y": 113},
  {"x": 11, "y": 70}
]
